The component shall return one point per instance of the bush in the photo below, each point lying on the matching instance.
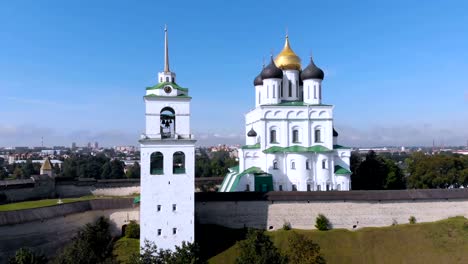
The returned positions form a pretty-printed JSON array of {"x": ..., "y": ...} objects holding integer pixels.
[
  {"x": 26, "y": 256},
  {"x": 258, "y": 248},
  {"x": 132, "y": 230},
  {"x": 322, "y": 223},
  {"x": 412, "y": 220},
  {"x": 287, "y": 226},
  {"x": 303, "y": 250},
  {"x": 187, "y": 253}
]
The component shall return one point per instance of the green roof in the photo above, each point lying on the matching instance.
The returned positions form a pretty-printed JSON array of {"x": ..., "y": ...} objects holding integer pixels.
[
  {"x": 297, "y": 149},
  {"x": 235, "y": 168},
  {"x": 340, "y": 147},
  {"x": 161, "y": 86},
  {"x": 256, "y": 146},
  {"x": 237, "y": 177},
  {"x": 341, "y": 171},
  {"x": 136, "y": 200}
]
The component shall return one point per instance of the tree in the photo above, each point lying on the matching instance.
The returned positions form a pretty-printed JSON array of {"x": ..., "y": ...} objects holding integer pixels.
[
  {"x": 258, "y": 248},
  {"x": 106, "y": 170},
  {"x": 322, "y": 223},
  {"x": 92, "y": 244},
  {"x": 132, "y": 230},
  {"x": 395, "y": 179},
  {"x": 303, "y": 250},
  {"x": 187, "y": 253},
  {"x": 27, "y": 169},
  {"x": 133, "y": 172},
  {"x": 117, "y": 169},
  {"x": 18, "y": 173},
  {"x": 26, "y": 256}
]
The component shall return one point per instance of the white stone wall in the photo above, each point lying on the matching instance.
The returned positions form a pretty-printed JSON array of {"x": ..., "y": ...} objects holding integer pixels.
[{"x": 302, "y": 215}]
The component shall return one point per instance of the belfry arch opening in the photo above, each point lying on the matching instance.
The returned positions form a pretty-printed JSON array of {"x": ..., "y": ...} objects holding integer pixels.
[
  {"x": 167, "y": 122},
  {"x": 178, "y": 163},
  {"x": 156, "y": 163}
]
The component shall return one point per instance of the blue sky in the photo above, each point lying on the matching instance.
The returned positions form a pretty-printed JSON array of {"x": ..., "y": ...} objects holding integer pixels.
[{"x": 396, "y": 71}]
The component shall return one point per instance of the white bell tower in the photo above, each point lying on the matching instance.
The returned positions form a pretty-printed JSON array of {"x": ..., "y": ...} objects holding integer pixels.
[{"x": 167, "y": 205}]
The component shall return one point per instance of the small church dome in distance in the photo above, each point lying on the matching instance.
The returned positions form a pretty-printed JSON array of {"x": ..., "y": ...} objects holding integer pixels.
[
  {"x": 271, "y": 71},
  {"x": 312, "y": 72},
  {"x": 252, "y": 133}
]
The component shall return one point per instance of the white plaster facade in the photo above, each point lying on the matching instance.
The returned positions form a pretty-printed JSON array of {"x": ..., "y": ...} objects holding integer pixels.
[
  {"x": 290, "y": 135},
  {"x": 167, "y": 165}
]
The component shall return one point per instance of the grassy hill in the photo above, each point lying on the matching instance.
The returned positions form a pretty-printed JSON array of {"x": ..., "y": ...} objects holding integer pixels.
[
  {"x": 439, "y": 242},
  {"x": 444, "y": 241}
]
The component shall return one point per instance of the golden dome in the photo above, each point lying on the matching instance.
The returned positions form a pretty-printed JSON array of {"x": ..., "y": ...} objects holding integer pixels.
[{"x": 287, "y": 59}]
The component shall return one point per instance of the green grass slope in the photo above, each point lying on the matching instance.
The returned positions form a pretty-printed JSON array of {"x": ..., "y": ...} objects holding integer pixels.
[{"x": 438, "y": 242}]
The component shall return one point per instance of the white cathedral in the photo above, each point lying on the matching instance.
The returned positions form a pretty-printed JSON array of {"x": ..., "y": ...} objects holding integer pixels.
[{"x": 291, "y": 143}]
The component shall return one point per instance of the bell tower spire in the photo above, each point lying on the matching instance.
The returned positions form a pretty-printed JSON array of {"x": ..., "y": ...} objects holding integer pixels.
[
  {"x": 166, "y": 51},
  {"x": 166, "y": 76}
]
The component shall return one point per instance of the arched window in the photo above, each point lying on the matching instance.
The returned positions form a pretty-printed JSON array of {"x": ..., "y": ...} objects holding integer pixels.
[
  {"x": 156, "y": 163},
  {"x": 275, "y": 164},
  {"x": 160, "y": 79},
  {"x": 273, "y": 136},
  {"x": 295, "y": 136},
  {"x": 167, "y": 119},
  {"x": 290, "y": 88},
  {"x": 294, "y": 187},
  {"x": 317, "y": 135},
  {"x": 281, "y": 88},
  {"x": 307, "y": 165},
  {"x": 320, "y": 91},
  {"x": 293, "y": 165},
  {"x": 167, "y": 79},
  {"x": 178, "y": 163},
  {"x": 315, "y": 91},
  {"x": 274, "y": 91},
  {"x": 324, "y": 164}
]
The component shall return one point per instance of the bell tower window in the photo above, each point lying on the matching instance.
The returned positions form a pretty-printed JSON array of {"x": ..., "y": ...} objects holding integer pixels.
[
  {"x": 156, "y": 163},
  {"x": 178, "y": 163},
  {"x": 167, "y": 122}
]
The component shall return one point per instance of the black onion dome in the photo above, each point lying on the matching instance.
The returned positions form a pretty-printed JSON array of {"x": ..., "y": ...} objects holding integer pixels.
[
  {"x": 335, "y": 134},
  {"x": 271, "y": 71},
  {"x": 312, "y": 72},
  {"x": 252, "y": 133},
  {"x": 258, "y": 80}
]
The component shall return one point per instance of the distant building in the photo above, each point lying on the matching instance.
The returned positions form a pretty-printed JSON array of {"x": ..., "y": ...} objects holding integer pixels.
[
  {"x": 46, "y": 168},
  {"x": 96, "y": 145},
  {"x": 73, "y": 146}
]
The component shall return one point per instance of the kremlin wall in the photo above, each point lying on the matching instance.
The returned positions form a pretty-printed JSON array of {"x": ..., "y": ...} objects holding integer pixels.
[{"x": 48, "y": 228}]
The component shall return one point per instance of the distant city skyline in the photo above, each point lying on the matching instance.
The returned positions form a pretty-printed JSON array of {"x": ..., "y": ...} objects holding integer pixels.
[{"x": 76, "y": 72}]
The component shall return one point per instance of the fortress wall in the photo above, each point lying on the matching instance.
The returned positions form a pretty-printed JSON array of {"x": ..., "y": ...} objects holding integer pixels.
[
  {"x": 70, "y": 190},
  {"x": 49, "y": 235},
  {"x": 302, "y": 215},
  {"x": 233, "y": 214},
  {"x": 22, "y": 194}
]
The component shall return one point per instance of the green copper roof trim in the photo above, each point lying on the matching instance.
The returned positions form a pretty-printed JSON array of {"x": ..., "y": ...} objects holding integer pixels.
[
  {"x": 161, "y": 86},
  {"x": 297, "y": 149},
  {"x": 250, "y": 170},
  {"x": 159, "y": 96},
  {"x": 235, "y": 168},
  {"x": 341, "y": 171},
  {"x": 256, "y": 146},
  {"x": 340, "y": 147},
  {"x": 136, "y": 200}
]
